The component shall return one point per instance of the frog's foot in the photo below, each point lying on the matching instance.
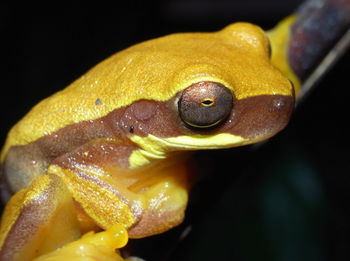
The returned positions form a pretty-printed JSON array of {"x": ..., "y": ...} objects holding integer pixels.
[{"x": 92, "y": 247}]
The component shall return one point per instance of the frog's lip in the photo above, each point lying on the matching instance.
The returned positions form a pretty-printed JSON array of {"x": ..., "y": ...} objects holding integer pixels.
[
  {"x": 222, "y": 140},
  {"x": 159, "y": 147},
  {"x": 156, "y": 148}
]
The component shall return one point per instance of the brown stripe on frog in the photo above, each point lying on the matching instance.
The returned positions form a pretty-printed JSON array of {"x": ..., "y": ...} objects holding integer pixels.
[{"x": 253, "y": 118}]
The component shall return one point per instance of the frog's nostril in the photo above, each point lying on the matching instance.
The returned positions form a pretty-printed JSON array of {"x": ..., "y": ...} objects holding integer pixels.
[{"x": 279, "y": 103}]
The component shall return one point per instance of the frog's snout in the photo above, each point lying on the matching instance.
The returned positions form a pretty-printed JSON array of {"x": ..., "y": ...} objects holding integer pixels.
[
  {"x": 281, "y": 109},
  {"x": 260, "y": 117}
]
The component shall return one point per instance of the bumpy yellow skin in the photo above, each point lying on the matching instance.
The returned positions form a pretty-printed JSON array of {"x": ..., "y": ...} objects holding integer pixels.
[{"x": 172, "y": 64}]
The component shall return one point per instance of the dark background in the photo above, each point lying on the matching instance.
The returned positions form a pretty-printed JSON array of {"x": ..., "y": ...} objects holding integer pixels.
[{"x": 284, "y": 200}]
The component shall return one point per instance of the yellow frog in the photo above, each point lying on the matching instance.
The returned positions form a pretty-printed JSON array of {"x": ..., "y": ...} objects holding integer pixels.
[{"x": 113, "y": 147}]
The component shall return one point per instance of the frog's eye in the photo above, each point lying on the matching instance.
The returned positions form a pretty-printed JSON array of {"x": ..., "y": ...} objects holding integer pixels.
[{"x": 205, "y": 104}]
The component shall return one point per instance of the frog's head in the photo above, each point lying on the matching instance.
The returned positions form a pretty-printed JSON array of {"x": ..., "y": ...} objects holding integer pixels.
[
  {"x": 185, "y": 91},
  {"x": 206, "y": 91}
]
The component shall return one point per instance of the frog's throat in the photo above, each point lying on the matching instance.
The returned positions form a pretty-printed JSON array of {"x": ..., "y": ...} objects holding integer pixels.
[{"x": 152, "y": 147}]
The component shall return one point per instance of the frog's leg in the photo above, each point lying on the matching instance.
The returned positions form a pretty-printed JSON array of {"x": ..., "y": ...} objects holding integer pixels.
[
  {"x": 150, "y": 205},
  {"x": 38, "y": 220},
  {"x": 108, "y": 191}
]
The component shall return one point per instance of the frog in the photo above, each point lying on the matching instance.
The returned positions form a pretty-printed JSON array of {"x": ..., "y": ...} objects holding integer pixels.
[{"x": 115, "y": 146}]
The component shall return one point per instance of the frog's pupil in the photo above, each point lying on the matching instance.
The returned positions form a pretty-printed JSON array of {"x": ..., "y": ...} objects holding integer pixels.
[{"x": 208, "y": 102}]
